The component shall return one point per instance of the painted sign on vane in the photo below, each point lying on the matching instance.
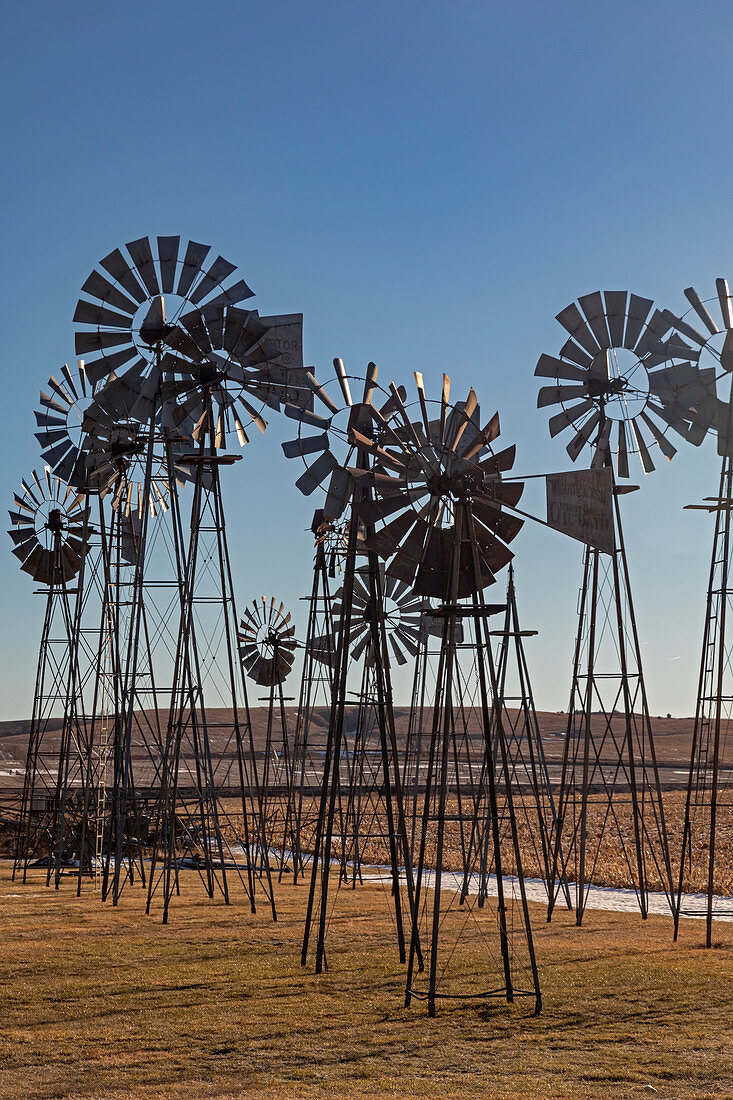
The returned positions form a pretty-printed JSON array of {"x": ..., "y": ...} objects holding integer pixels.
[{"x": 580, "y": 504}]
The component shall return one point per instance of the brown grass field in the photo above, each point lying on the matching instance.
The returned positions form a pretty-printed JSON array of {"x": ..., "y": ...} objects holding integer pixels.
[{"x": 103, "y": 1002}]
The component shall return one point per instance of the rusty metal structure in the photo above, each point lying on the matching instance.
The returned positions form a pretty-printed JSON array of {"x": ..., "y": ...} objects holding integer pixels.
[{"x": 613, "y": 384}]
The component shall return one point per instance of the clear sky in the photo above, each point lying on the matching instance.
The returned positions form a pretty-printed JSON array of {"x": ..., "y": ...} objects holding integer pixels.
[{"x": 429, "y": 183}]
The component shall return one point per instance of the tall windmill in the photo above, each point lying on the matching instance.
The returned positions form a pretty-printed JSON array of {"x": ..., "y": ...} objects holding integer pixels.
[
  {"x": 443, "y": 530},
  {"x": 51, "y": 538},
  {"x": 196, "y": 370},
  {"x": 621, "y": 399},
  {"x": 347, "y": 482},
  {"x": 702, "y": 344}
]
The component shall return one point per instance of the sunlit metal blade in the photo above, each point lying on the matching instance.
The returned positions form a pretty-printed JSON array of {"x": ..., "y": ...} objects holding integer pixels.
[
  {"x": 700, "y": 309},
  {"x": 721, "y": 286}
]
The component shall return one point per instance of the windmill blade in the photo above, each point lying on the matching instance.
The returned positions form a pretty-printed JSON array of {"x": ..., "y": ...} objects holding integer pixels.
[
  {"x": 639, "y": 309},
  {"x": 105, "y": 366},
  {"x": 220, "y": 270},
  {"x": 49, "y": 437},
  {"x": 386, "y": 541},
  {"x": 340, "y": 488},
  {"x": 554, "y": 395},
  {"x": 571, "y": 352},
  {"x": 314, "y": 475},
  {"x": 86, "y": 342},
  {"x": 399, "y": 653},
  {"x": 423, "y": 403},
  {"x": 573, "y": 322},
  {"x": 723, "y": 291},
  {"x": 548, "y": 367},
  {"x": 118, "y": 268},
  {"x": 192, "y": 264},
  {"x": 615, "y": 312},
  {"x": 167, "y": 256},
  {"x": 298, "y": 448},
  {"x": 483, "y": 438},
  {"x": 662, "y": 442},
  {"x": 444, "y": 403},
  {"x": 87, "y": 313},
  {"x": 501, "y": 461},
  {"x": 98, "y": 287},
  {"x": 646, "y": 458},
  {"x": 700, "y": 309},
  {"x": 622, "y": 459},
  {"x": 402, "y": 411},
  {"x": 304, "y": 416},
  {"x": 320, "y": 393},
  {"x": 142, "y": 257},
  {"x": 338, "y": 365},
  {"x": 602, "y": 453},
  {"x": 568, "y": 416},
  {"x": 726, "y": 354},
  {"x": 370, "y": 383},
  {"x": 683, "y": 327},
  {"x": 575, "y": 446},
  {"x": 592, "y": 306}
]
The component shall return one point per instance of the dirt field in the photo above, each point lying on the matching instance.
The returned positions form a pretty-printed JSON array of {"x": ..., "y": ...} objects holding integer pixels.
[{"x": 102, "y": 1002}]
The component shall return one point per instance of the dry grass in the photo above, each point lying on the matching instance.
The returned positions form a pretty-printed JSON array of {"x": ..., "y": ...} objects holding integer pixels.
[{"x": 102, "y": 1002}]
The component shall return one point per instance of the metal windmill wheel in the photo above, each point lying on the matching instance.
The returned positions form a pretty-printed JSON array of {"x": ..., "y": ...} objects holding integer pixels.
[
  {"x": 315, "y": 448},
  {"x": 267, "y": 642},
  {"x": 49, "y": 529},
  {"x": 708, "y": 355},
  {"x": 614, "y": 383},
  {"x": 220, "y": 377},
  {"x": 61, "y": 419},
  {"x": 123, "y": 315},
  {"x": 423, "y": 470},
  {"x": 402, "y": 614}
]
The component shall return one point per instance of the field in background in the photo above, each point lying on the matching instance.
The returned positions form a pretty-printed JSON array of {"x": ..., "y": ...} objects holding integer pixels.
[{"x": 103, "y": 1002}]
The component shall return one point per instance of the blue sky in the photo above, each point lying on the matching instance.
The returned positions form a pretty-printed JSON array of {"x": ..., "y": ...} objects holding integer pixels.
[{"x": 429, "y": 183}]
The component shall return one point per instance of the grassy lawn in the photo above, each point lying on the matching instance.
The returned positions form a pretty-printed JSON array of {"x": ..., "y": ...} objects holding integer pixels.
[{"x": 103, "y": 1002}]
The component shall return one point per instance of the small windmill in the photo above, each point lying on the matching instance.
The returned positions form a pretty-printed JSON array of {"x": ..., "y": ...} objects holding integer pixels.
[
  {"x": 51, "y": 538},
  {"x": 267, "y": 650}
]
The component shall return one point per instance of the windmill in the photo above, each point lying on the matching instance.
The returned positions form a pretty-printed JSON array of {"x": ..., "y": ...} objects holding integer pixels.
[
  {"x": 267, "y": 650},
  {"x": 360, "y": 817},
  {"x": 528, "y": 767},
  {"x": 621, "y": 398},
  {"x": 89, "y": 437},
  {"x": 442, "y": 528},
  {"x": 702, "y": 344},
  {"x": 345, "y": 487},
  {"x": 316, "y": 687},
  {"x": 197, "y": 370},
  {"x": 51, "y": 537}
]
